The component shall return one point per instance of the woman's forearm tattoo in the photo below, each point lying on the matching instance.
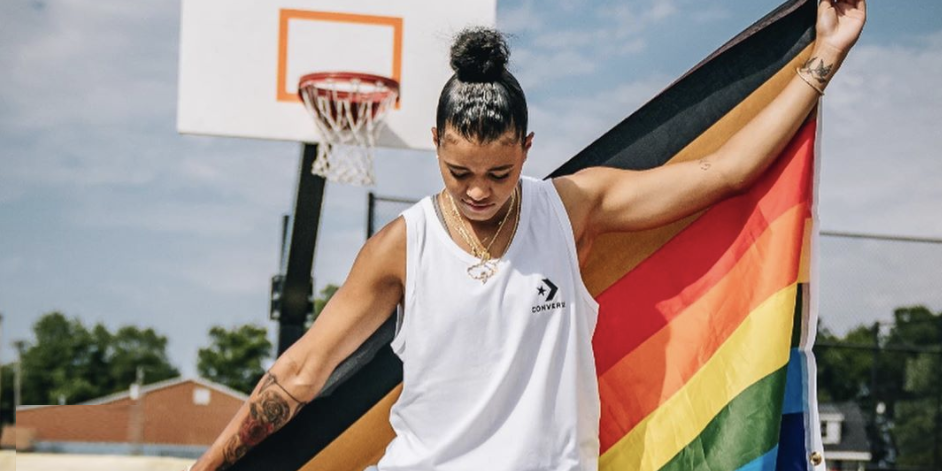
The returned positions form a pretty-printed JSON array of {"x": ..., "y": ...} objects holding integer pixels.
[
  {"x": 268, "y": 412},
  {"x": 818, "y": 72}
]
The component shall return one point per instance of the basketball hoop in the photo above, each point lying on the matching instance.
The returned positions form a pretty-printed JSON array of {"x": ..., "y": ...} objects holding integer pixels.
[{"x": 349, "y": 109}]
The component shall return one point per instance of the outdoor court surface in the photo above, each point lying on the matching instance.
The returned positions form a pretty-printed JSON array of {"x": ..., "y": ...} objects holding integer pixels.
[{"x": 10, "y": 461}]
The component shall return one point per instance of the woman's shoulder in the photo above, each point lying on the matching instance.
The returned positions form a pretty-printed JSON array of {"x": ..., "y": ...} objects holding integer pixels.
[
  {"x": 391, "y": 236},
  {"x": 579, "y": 194},
  {"x": 385, "y": 251}
]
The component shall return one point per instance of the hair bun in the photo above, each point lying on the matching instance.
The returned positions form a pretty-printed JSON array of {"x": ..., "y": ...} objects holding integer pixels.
[{"x": 479, "y": 55}]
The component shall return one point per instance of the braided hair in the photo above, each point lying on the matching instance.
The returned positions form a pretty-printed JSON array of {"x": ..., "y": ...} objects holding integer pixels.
[{"x": 482, "y": 101}]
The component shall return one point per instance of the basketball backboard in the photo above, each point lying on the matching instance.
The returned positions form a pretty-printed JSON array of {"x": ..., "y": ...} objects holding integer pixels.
[{"x": 240, "y": 61}]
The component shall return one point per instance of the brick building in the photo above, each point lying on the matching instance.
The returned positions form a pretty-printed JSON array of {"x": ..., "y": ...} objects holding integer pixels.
[{"x": 179, "y": 417}]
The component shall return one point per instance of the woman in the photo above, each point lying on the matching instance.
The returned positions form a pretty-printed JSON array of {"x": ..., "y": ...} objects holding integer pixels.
[{"x": 496, "y": 325}]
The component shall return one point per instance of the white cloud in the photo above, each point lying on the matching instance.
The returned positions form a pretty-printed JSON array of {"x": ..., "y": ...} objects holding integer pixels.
[
  {"x": 132, "y": 222},
  {"x": 180, "y": 217},
  {"x": 555, "y": 40},
  {"x": 881, "y": 167},
  {"x": 11, "y": 265},
  {"x": 231, "y": 269},
  {"x": 583, "y": 45},
  {"x": 88, "y": 90},
  {"x": 864, "y": 280},
  {"x": 660, "y": 10},
  {"x": 564, "y": 126},
  {"x": 622, "y": 20},
  {"x": 10, "y": 193},
  {"x": 880, "y": 174},
  {"x": 520, "y": 19},
  {"x": 710, "y": 13},
  {"x": 56, "y": 70},
  {"x": 539, "y": 69}
]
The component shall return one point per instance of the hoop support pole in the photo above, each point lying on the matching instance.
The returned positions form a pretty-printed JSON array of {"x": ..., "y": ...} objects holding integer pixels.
[{"x": 297, "y": 289}]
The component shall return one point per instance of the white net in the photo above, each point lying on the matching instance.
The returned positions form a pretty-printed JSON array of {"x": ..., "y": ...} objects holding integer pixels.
[{"x": 349, "y": 113}]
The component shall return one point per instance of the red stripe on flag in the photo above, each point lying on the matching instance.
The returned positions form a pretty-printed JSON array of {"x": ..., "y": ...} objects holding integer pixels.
[
  {"x": 647, "y": 298},
  {"x": 639, "y": 383}
]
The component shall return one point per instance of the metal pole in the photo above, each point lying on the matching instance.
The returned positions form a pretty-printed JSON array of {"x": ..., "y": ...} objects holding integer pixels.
[
  {"x": 876, "y": 445},
  {"x": 1, "y": 366},
  {"x": 370, "y": 203},
  {"x": 889, "y": 238},
  {"x": 285, "y": 220},
  {"x": 17, "y": 374},
  {"x": 138, "y": 416},
  {"x": 298, "y": 258}
]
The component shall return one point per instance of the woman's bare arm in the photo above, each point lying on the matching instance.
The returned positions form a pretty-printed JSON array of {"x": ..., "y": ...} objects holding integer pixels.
[
  {"x": 603, "y": 200},
  {"x": 365, "y": 300}
]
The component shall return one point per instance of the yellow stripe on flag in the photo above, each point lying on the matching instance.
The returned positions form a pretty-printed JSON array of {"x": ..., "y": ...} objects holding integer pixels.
[{"x": 757, "y": 348}]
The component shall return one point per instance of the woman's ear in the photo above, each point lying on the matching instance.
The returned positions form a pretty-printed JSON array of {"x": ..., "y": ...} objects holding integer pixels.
[
  {"x": 434, "y": 136},
  {"x": 528, "y": 142}
]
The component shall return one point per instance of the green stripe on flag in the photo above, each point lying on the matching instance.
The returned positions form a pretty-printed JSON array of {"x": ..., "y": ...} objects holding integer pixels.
[{"x": 747, "y": 428}]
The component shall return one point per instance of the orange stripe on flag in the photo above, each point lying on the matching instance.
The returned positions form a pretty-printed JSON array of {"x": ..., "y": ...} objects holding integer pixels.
[
  {"x": 757, "y": 348},
  {"x": 617, "y": 253},
  {"x": 639, "y": 383},
  {"x": 657, "y": 290}
]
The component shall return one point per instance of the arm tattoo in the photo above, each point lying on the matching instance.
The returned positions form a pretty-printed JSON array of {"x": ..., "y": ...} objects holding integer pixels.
[
  {"x": 704, "y": 164},
  {"x": 819, "y": 72},
  {"x": 269, "y": 380},
  {"x": 268, "y": 412}
]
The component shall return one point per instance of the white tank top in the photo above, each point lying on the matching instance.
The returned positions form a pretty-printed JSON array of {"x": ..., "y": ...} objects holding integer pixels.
[{"x": 501, "y": 375}]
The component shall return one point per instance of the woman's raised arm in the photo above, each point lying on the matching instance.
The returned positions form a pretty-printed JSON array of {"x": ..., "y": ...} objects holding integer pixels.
[{"x": 603, "y": 200}]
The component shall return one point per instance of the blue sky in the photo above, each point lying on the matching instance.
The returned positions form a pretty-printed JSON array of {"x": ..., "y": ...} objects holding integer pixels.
[{"x": 106, "y": 213}]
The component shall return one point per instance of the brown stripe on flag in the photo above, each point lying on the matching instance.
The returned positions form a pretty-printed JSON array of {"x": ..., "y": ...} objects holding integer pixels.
[
  {"x": 615, "y": 254},
  {"x": 646, "y": 299}
]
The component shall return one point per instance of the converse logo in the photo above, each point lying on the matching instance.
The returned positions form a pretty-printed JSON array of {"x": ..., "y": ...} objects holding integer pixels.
[{"x": 548, "y": 300}]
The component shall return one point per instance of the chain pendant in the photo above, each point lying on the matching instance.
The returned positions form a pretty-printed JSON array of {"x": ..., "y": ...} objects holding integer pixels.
[
  {"x": 486, "y": 268},
  {"x": 483, "y": 270}
]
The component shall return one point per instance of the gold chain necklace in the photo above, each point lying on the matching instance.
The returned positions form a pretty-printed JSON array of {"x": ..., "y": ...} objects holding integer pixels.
[
  {"x": 487, "y": 266},
  {"x": 477, "y": 247}
]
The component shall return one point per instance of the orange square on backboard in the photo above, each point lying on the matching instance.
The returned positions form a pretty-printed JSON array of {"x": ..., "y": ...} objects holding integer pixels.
[{"x": 283, "y": 95}]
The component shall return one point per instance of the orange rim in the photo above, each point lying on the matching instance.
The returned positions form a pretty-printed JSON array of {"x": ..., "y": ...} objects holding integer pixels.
[{"x": 313, "y": 83}]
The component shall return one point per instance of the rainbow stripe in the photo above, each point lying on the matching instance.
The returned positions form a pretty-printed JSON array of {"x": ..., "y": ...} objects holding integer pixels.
[
  {"x": 703, "y": 344},
  {"x": 693, "y": 343}
]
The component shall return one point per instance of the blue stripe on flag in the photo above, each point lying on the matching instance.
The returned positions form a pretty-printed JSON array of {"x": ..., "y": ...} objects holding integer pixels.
[
  {"x": 796, "y": 384},
  {"x": 765, "y": 462},
  {"x": 792, "y": 455}
]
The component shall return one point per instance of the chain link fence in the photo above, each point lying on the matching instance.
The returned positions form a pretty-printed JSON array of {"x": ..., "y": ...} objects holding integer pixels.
[
  {"x": 382, "y": 210},
  {"x": 879, "y": 347}
]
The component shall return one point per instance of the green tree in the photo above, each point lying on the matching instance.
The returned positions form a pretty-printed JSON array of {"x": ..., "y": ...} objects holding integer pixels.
[
  {"x": 235, "y": 356},
  {"x": 908, "y": 383},
  {"x": 843, "y": 373},
  {"x": 66, "y": 360},
  {"x": 54, "y": 363},
  {"x": 131, "y": 348},
  {"x": 917, "y": 430}
]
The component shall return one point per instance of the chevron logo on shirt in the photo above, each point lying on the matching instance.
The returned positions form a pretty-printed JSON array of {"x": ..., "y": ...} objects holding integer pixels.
[{"x": 547, "y": 290}]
